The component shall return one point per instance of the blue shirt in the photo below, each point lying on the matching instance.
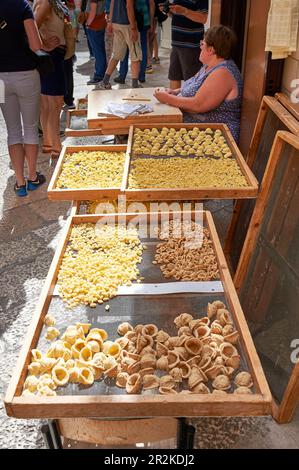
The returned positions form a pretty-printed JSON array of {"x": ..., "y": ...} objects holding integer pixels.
[
  {"x": 185, "y": 32},
  {"x": 119, "y": 14},
  {"x": 15, "y": 54}
]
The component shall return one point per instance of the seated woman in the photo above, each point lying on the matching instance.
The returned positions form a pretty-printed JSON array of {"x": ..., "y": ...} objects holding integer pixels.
[{"x": 214, "y": 94}]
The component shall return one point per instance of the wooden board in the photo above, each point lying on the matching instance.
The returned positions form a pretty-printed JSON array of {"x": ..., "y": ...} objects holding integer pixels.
[
  {"x": 71, "y": 131},
  {"x": 293, "y": 108},
  {"x": 98, "y": 100},
  {"x": 268, "y": 271},
  {"x": 84, "y": 193},
  {"x": 190, "y": 194},
  {"x": 271, "y": 118},
  {"x": 128, "y": 406}
]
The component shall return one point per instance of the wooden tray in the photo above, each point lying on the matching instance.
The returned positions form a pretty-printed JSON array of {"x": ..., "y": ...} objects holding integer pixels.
[
  {"x": 96, "y": 405},
  {"x": 188, "y": 194},
  {"x": 84, "y": 193}
]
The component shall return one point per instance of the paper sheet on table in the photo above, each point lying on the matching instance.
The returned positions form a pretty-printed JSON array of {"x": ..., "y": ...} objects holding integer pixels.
[
  {"x": 168, "y": 288},
  {"x": 123, "y": 110}
]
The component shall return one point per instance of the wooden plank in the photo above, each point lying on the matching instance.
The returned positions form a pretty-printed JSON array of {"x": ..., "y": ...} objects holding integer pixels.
[
  {"x": 190, "y": 193},
  {"x": 138, "y": 405},
  {"x": 98, "y": 100},
  {"x": 285, "y": 412},
  {"x": 293, "y": 108},
  {"x": 118, "y": 432},
  {"x": 82, "y": 193}
]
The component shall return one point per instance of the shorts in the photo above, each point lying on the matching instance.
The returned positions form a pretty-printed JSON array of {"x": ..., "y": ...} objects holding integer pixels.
[
  {"x": 184, "y": 63},
  {"x": 122, "y": 40},
  {"x": 54, "y": 84}
]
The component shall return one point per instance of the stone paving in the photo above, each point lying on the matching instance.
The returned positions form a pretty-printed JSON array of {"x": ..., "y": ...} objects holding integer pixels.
[{"x": 29, "y": 231}]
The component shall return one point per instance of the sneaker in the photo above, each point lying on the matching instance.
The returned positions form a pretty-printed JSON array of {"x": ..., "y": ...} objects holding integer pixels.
[
  {"x": 137, "y": 86},
  {"x": 149, "y": 69},
  {"x": 93, "y": 81},
  {"x": 20, "y": 191},
  {"x": 120, "y": 80},
  {"x": 102, "y": 86},
  {"x": 156, "y": 61},
  {"x": 34, "y": 184}
]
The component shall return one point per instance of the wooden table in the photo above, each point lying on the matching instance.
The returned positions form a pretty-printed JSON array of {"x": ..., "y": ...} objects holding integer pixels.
[{"x": 98, "y": 100}]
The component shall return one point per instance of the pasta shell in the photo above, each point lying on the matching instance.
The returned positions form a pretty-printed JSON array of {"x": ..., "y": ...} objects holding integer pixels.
[
  {"x": 204, "y": 321},
  {"x": 138, "y": 329},
  {"x": 146, "y": 371},
  {"x": 200, "y": 388},
  {"x": 185, "y": 330},
  {"x": 211, "y": 310},
  {"x": 36, "y": 355},
  {"x": 167, "y": 391},
  {"x": 232, "y": 338},
  {"x": 31, "y": 383},
  {"x": 174, "y": 341},
  {"x": 150, "y": 382},
  {"x": 121, "y": 379},
  {"x": 162, "y": 363},
  {"x": 94, "y": 336},
  {"x": 52, "y": 333},
  {"x": 84, "y": 326},
  {"x": 195, "y": 377},
  {"x": 161, "y": 349},
  {"x": 60, "y": 375},
  {"x": 100, "y": 331},
  {"x": 185, "y": 368},
  {"x": 227, "y": 330},
  {"x": 49, "y": 320},
  {"x": 201, "y": 331},
  {"x": 106, "y": 346},
  {"x": 123, "y": 328},
  {"x": 112, "y": 372},
  {"x": 213, "y": 371},
  {"x": 86, "y": 354},
  {"x": 123, "y": 342},
  {"x": 46, "y": 391},
  {"x": 194, "y": 361},
  {"x": 219, "y": 361},
  {"x": 143, "y": 341},
  {"x": 134, "y": 384},
  {"x": 132, "y": 336},
  {"x": 114, "y": 350},
  {"x": 94, "y": 346},
  {"x": 218, "y": 339},
  {"x": 34, "y": 368},
  {"x": 148, "y": 361},
  {"x": 216, "y": 328},
  {"x": 47, "y": 363},
  {"x": 227, "y": 350},
  {"x": 243, "y": 379},
  {"x": 182, "y": 352},
  {"x": 109, "y": 362},
  {"x": 183, "y": 320},
  {"x": 228, "y": 370},
  {"x": 233, "y": 362},
  {"x": 173, "y": 359},
  {"x": 71, "y": 334},
  {"x": 193, "y": 346},
  {"x": 219, "y": 392},
  {"x": 150, "y": 330},
  {"x": 221, "y": 382},
  {"x": 223, "y": 316},
  {"x": 177, "y": 374},
  {"x": 148, "y": 350},
  {"x": 56, "y": 350},
  {"x": 74, "y": 375},
  {"x": 162, "y": 336},
  {"x": 205, "y": 363},
  {"x": 134, "y": 368},
  {"x": 194, "y": 323},
  {"x": 167, "y": 381},
  {"x": 243, "y": 391},
  {"x": 26, "y": 393},
  {"x": 86, "y": 376}
]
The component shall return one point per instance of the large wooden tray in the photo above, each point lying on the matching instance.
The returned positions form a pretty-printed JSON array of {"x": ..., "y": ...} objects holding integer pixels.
[
  {"x": 97, "y": 101},
  {"x": 84, "y": 193},
  {"x": 189, "y": 194},
  {"x": 160, "y": 309}
]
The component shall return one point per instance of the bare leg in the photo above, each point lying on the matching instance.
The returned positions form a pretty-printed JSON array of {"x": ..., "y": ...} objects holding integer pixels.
[
  {"x": 156, "y": 46},
  {"x": 135, "y": 66},
  {"x": 55, "y": 106},
  {"x": 44, "y": 119},
  {"x": 111, "y": 66},
  {"x": 17, "y": 156},
  {"x": 31, "y": 153},
  {"x": 174, "y": 84}
]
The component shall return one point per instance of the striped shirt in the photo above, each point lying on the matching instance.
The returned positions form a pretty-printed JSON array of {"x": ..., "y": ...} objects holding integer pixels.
[{"x": 185, "y": 32}]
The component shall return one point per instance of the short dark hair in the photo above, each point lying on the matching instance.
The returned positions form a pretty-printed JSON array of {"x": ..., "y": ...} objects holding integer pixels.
[{"x": 222, "y": 39}]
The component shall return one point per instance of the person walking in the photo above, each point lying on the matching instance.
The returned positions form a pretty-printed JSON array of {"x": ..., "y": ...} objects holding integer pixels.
[
  {"x": 21, "y": 83},
  {"x": 95, "y": 27}
]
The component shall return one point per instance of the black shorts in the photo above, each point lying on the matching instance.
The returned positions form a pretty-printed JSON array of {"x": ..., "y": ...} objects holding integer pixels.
[{"x": 184, "y": 63}]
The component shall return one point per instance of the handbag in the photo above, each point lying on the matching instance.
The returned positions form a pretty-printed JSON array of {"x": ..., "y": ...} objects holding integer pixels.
[
  {"x": 70, "y": 40},
  {"x": 98, "y": 23},
  {"x": 45, "y": 64}
]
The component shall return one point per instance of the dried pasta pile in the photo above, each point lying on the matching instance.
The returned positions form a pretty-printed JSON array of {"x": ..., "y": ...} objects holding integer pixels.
[
  {"x": 201, "y": 358},
  {"x": 96, "y": 169},
  {"x": 187, "y": 254},
  {"x": 97, "y": 260}
]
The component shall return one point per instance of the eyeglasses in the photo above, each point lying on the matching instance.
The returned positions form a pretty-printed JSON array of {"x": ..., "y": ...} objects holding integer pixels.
[{"x": 202, "y": 43}]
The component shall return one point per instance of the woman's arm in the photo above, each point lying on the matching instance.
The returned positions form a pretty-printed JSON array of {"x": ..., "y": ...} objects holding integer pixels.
[
  {"x": 41, "y": 11},
  {"x": 34, "y": 39},
  {"x": 197, "y": 16},
  {"x": 211, "y": 94}
]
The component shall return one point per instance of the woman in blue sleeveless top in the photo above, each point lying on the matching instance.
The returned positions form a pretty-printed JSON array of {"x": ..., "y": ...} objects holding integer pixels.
[{"x": 214, "y": 94}]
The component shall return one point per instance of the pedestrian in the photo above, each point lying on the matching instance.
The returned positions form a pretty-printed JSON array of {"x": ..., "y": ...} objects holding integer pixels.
[
  {"x": 187, "y": 30},
  {"x": 50, "y": 16},
  {"x": 95, "y": 27},
  {"x": 18, "y": 38},
  {"x": 122, "y": 23}
]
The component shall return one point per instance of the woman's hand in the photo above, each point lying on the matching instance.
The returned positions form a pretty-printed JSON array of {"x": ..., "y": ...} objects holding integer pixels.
[
  {"x": 161, "y": 95},
  {"x": 51, "y": 43},
  {"x": 109, "y": 28},
  {"x": 178, "y": 10},
  {"x": 172, "y": 92}
]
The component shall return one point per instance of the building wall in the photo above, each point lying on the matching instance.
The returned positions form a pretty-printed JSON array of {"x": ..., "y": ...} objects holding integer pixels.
[{"x": 291, "y": 71}]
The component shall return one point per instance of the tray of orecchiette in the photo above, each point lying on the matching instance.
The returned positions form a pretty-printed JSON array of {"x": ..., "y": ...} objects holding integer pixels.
[
  {"x": 96, "y": 348},
  {"x": 186, "y": 161}
]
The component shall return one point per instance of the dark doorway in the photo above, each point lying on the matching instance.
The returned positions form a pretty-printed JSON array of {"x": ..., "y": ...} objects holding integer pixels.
[{"x": 233, "y": 14}]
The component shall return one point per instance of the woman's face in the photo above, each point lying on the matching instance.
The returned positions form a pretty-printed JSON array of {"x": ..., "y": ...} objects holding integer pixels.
[{"x": 205, "y": 52}]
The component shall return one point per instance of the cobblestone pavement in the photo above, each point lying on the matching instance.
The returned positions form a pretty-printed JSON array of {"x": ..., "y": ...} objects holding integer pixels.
[{"x": 29, "y": 231}]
